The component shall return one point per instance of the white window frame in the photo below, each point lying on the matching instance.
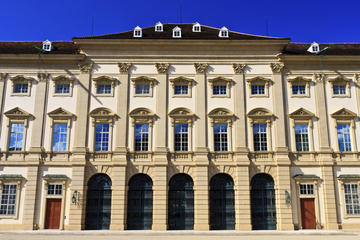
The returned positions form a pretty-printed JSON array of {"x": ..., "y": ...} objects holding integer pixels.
[
  {"x": 224, "y": 32},
  {"x": 300, "y": 81},
  {"x": 176, "y": 30},
  {"x": 159, "y": 24},
  {"x": 340, "y": 80},
  {"x": 20, "y": 79},
  {"x": 17, "y": 180},
  {"x": 137, "y": 32},
  {"x": 196, "y": 27},
  {"x": 143, "y": 80},
  {"x": 104, "y": 80},
  {"x": 259, "y": 81}
]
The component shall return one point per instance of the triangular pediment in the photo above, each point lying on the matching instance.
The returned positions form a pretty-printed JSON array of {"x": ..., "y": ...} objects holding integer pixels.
[
  {"x": 17, "y": 113},
  {"x": 260, "y": 113},
  {"x": 60, "y": 113},
  {"x": 344, "y": 114},
  {"x": 301, "y": 113}
]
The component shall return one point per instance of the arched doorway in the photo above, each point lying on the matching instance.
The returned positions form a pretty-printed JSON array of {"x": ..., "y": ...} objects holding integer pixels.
[
  {"x": 222, "y": 204},
  {"x": 98, "y": 203},
  {"x": 181, "y": 203},
  {"x": 140, "y": 203},
  {"x": 263, "y": 209}
]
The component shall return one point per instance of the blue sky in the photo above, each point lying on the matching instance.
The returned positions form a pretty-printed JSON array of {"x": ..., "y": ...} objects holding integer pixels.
[{"x": 301, "y": 20}]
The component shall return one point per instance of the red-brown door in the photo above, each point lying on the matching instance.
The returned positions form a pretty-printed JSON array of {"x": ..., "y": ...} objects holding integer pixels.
[
  {"x": 308, "y": 218},
  {"x": 53, "y": 210}
]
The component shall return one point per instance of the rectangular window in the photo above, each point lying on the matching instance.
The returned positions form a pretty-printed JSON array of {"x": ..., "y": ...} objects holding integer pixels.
[
  {"x": 301, "y": 137},
  {"x": 142, "y": 89},
  {"x": 16, "y": 137},
  {"x": 141, "y": 137},
  {"x": 257, "y": 89},
  {"x": 102, "y": 137},
  {"x": 343, "y": 132},
  {"x": 54, "y": 189},
  {"x": 219, "y": 90},
  {"x": 62, "y": 88},
  {"x": 306, "y": 189},
  {"x": 351, "y": 192},
  {"x": 260, "y": 138},
  {"x": 103, "y": 89},
  {"x": 59, "y": 137},
  {"x": 8, "y": 199},
  {"x": 181, "y": 137},
  {"x": 220, "y": 137},
  {"x": 298, "y": 89},
  {"x": 21, "y": 88},
  {"x": 339, "y": 89},
  {"x": 180, "y": 89}
]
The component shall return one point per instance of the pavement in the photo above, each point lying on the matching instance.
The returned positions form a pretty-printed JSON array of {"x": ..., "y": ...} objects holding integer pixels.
[{"x": 179, "y": 235}]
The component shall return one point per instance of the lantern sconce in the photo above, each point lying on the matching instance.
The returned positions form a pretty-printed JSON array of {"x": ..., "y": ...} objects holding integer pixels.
[
  {"x": 287, "y": 197},
  {"x": 75, "y": 197}
]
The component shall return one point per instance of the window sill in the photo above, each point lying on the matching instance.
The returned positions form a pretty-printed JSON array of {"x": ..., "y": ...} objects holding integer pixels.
[
  {"x": 20, "y": 94},
  {"x": 258, "y": 96},
  {"x": 143, "y": 95},
  {"x": 62, "y": 95},
  {"x": 181, "y": 96},
  {"x": 8, "y": 216},
  {"x": 300, "y": 96},
  {"x": 340, "y": 96},
  {"x": 104, "y": 95},
  {"x": 348, "y": 216}
]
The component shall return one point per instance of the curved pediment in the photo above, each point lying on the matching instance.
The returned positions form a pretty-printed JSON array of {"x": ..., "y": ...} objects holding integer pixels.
[
  {"x": 181, "y": 112},
  {"x": 344, "y": 114},
  {"x": 62, "y": 78},
  {"x": 17, "y": 113},
  {"x": 60, "y": 113},
  {"x": 141, "y": 112},
  {"x": 220, "y": 113},
  {"x": 260, "y": 113},
  {"x": 301, "y": 113},
  {"x": 101, "y": 112}
]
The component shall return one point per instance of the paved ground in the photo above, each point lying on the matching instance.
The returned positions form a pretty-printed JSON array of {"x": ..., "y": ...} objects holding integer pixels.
[{"x": 179, "y": 235}]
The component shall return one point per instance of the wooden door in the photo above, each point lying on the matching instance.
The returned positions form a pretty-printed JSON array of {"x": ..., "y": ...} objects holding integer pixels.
[
  {"x": 53, "y": 212},
  {"x": 308, "y": 218}
]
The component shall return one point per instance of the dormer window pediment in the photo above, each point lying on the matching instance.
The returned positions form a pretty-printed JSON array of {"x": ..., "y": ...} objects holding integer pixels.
[
  {"x": 138, "y": 32},
  {"x": 159, "y": 27},
  {"x": 224, "y": 32},
  {"x": 196, "y": 27},
  {"x": 177, "y": 32}
]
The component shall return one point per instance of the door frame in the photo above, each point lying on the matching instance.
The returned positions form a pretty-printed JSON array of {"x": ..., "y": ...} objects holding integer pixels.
[
  {"x": 46, "y": 211},
  {"x": 46, "y": 181},
  {"x": 310, "y": 179}
]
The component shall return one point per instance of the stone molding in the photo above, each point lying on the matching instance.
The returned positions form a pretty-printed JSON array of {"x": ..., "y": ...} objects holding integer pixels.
[
  {"x": 102, "y": 115},
  {"x": 220, "y": 115},
  {"x": 301, "y": 114},
  {"x": 60, "y": 113},
  {"x": 201, "y": 67},
  {"x": 260, "y": 115},
  {"x": 85, "y": 67},
  {"x": 344, "y": 114},
  {"x": 43, "y": 77},
  {"x": 319, "y": 77},
  {"x": 239, "y": 68},
  {"x": 142, "y": 115},
  {"x": 17, "y": 113},
  {"x": 124, "y": 67},
  {"x": 181, "y": 115},
  {"x": 3, "y": 76},
  {"x": 162, "y": 67},
  {"x": 277, "y": 67}
]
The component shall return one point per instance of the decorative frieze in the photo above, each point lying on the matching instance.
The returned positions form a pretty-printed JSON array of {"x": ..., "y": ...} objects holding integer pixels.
[
  {"x": 162, "y": 67},
  {"x": 201, "y": 67},
  {"x": 277, "y": 67},
  {"x": 124, "y": 67},
  {"x": 239, "y": 68}
]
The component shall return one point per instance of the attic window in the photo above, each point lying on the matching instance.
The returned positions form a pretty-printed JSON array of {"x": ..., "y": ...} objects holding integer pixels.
[
  {"x": 137, "y": 32},
  {"x": 314, "y": 48},
  {"x": 159, "y": 27},
  {"x": 196, "y": 27},
  {"x": 177, "y": 32},
  {"x": 224, "y": 32},
  {"x": 47, "y": 46}
]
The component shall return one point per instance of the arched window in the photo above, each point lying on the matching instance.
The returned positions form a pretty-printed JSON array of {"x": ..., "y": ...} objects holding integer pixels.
[
  {"x": 263, "y": 209},
  {"x": 140, "y": 203},
  {"x": 98, "y": 202},
  {"x": 222, "y": 204},
  {"x": 181, "y": 203}
]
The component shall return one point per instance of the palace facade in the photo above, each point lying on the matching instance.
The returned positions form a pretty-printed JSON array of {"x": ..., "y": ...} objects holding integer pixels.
[{"x": 179, "y": 126}]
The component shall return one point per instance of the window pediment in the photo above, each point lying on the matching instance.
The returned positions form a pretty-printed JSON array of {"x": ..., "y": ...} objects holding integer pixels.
[
  {"x": 142, "y": 115},
  {"x": 17, "y": 113},
  {"x": 258, "y": 80},
  {"x": 60, "y": 113},
  {"x": 220, "y": 115},
  {"x": 181, "y": 80},
  {"x": 260, "y": 114},
  {"x": 220, "y": 80},
  {"x": 102, "y": 115},
  {"x": 299, "y": 79},
  {"x": 301, "y": 114},
  {"x": 344, "y": 114},
  {"x": 22, "y": 78},
  {"x": 340, "y": 79},
  {"x": 105, "y": 79},
  {"x": 181, "y": 115},
  {"x": 143, "y": 79},
  {"x": 63, "y": 78}
]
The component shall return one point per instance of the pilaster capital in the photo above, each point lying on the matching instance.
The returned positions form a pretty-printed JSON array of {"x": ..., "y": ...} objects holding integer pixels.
[
  {"x": 239, "y": 68},
  {"x": 3, "y": 76},
  {"x": 124, "y": 67},
  {"x": 162, "y": 67},
  {"x": 201, "y": 67},
  {"x": 43, "y": 77},
  {"x": 319, "y": 77},
  {"x": 277, "y": 67},
  {"x": 357, "y": 77},
  {"x": 85, "y": 67}
]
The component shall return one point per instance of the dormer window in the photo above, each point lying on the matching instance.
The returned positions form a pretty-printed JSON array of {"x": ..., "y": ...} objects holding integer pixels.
[
  {"x": 47, "y": 46},
  {"x": 177, "y": 32},
  {"x": 224, "y": 32},
  {"x": 158, "y": 27},
  {"x": 196, "y": 27},
  {"x": 314, "y": 48},
  {"x": 137, "y": 32}
]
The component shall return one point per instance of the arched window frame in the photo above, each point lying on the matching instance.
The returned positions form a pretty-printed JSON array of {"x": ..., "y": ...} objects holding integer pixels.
[
  {"x": 143, "y": 80},
  {"x": 261, "y": 116},
  {"x": 345, "y": 116},
  {"x": 20, "y": 79},
  {"x": 221, "y": 116},
  {"x": 259, "y": 80},
  {"x": 220, "y": 81},
  {"x": 62, "y": 79},
  {"x": 141, "y": 116},
  {"x": 300, "y": 81},
  {"x": 178, "y": 81},
  {"x": 106, "y": 80},
  {"x": 302, "y": 116},
  {"x": 340, "y": 80}
]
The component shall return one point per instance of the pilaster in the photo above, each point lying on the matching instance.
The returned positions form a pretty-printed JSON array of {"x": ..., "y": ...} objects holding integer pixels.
[
  {"x": 118, "y": 198},
  {"x": 30, "y": 197},
  {"x": 160, "y": 194},
  {"x": 3, "y": 78},
  {"x": 201, "y": 198},
  {"x": 242, "y": 199},
  {"x": 82, "y": 108},
  {"x": 283, "y": 199},
  {"x": 329, "y": 196},
  {"x": 77, "y": 209},
  {"x": 357, "y": 89}
]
